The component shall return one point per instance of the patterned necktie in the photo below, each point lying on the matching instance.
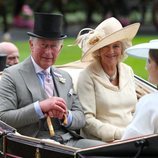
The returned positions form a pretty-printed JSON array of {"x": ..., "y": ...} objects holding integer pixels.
[
  {"x": 48, "y": 84},
  {"x": 48, "y": 87}
]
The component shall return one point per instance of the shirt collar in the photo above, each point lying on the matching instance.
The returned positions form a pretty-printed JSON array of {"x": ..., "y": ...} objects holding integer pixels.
[{"x": 37, "y": 67}]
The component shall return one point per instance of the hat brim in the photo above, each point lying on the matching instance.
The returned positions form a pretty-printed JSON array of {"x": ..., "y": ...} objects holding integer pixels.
[
  {"x": 42, "y": 37},
  {"x": 127, "y": 32},
  {"x": 141, "y": 50}
]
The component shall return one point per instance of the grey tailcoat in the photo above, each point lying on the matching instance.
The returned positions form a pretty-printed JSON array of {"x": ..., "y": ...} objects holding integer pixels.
[{"x": 20, "y": 88}]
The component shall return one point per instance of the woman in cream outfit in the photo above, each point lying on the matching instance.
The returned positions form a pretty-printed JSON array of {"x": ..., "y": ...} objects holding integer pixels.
[{"x": 106, "y": 87}]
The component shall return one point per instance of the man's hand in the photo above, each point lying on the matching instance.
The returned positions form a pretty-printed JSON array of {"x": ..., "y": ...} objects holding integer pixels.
[{"x": 54, "y": 107}]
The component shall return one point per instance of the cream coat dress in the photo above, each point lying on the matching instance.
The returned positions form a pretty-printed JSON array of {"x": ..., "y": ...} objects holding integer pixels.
[{"x": 108, "y": 108}]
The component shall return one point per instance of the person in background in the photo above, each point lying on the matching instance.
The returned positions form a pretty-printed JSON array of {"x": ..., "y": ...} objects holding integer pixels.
[
  {"x": 146, "y": 115},
  {"x": 6, "y": 36},
  {"x": 11, "y": 51},
  {"x": 25, "y": 103},
  {"x": 106, "y": 88},
  {"x": 22, "y": 15}
]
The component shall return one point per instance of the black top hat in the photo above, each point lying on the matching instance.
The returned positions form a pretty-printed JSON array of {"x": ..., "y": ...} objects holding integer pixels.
[{"x": 48, "y": 26}]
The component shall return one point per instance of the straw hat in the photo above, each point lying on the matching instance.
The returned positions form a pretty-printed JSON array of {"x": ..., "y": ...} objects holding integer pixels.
[
  {"x": 142, "y": 50},
  {"x": 107, "y": 32}
]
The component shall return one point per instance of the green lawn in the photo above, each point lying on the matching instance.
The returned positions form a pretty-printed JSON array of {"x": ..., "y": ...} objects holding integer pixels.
[{"x": 73, "y": 53}]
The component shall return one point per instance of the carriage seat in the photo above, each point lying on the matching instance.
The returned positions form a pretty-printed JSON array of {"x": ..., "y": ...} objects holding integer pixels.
[{"x": 74, "y": 69}]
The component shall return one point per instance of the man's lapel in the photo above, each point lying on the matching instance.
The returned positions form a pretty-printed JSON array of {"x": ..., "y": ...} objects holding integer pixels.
[
  {"x": 32, "y": 81},
  {"x": 58, "y": 83}
]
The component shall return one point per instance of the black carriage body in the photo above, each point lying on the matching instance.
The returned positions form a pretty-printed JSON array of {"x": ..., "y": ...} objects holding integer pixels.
[{"x": 21, "y": 147}]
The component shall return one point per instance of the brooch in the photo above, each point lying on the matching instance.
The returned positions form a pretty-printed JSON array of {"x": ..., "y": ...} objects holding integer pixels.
[
  {"x": 94, "y": 40},
  {"x": 61, "y": 79}
]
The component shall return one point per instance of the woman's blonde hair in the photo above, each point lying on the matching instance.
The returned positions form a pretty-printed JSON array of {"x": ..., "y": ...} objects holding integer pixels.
[{"x": 125, "y": 44}]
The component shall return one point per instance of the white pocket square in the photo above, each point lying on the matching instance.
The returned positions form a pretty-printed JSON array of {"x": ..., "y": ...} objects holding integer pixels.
[{"x": 71, "y": 92}]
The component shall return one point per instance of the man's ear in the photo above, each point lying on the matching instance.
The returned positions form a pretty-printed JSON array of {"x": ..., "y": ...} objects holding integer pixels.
[
  {"x": 61, "y": 47},
  {"x": 31, "y": 44}
]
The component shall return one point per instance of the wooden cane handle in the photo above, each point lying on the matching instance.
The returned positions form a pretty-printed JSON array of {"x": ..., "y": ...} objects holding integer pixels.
[
  {"x": 65, "y": 120},
  {"x": 50, "y": 126}
]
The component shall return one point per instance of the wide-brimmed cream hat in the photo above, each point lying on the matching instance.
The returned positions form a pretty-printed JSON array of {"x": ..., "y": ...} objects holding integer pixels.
[
  {"x": 107, "y": 32},
  {"x": 142, "y": 50}
]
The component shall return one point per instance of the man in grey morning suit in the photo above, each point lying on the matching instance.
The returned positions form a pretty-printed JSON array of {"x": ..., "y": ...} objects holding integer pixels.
[{"x": 23, "y": 102}]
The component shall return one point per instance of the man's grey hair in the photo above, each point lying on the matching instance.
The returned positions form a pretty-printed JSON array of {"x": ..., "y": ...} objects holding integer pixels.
[{"x": 35, "y": 38}]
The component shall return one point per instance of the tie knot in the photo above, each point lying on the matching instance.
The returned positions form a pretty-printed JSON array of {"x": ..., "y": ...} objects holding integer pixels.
[
  {"x": 48, "y": 83},
  {"x": 45, "y": 73},
  {"x": 47, "y": 76}
]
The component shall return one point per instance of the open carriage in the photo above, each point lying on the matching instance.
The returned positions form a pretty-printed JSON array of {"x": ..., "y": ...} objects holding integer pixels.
[
  {"x": 15, "y": 145},
  {"x": 19, "y": 146}
]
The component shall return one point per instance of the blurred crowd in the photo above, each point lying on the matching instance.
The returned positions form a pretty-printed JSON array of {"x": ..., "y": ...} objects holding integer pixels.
[{"x": 21, "y": 11}]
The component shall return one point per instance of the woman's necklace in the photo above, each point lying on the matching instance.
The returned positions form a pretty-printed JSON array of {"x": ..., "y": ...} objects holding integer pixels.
[{"x": 113, "y": 77}]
